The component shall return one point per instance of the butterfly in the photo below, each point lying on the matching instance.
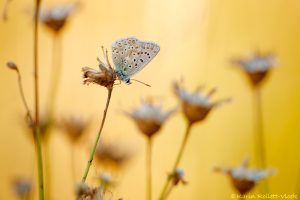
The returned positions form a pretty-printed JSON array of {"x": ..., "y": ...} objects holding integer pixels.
[{"x": 131, "y": 55}]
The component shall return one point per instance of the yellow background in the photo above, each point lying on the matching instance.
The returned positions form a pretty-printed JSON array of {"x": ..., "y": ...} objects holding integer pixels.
[{"x": 197, "y": 39}]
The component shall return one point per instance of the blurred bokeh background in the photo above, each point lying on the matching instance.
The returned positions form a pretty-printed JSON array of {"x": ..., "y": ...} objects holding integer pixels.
[{"x": 197, "y": 39}]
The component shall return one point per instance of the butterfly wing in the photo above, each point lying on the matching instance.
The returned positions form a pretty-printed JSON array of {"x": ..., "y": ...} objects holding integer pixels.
[{"x": 131, "y": 55}]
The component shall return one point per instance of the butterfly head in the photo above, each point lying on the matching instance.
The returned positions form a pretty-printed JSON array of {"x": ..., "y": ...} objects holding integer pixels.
[{"x": 123, "y": 77}]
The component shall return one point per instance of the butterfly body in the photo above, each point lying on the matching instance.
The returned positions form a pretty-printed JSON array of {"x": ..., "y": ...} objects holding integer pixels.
[{"x": 131, "y": 55}]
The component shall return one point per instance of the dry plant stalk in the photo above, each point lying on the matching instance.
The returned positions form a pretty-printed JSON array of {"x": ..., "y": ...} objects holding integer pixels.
[
  {"x": 105, "y": 77},
  {"x": 196, "y": 107},
  {"x": 36, "y": 94},
  {"x": 257, "y": 68},
  {"x": 149, "y": 119}
]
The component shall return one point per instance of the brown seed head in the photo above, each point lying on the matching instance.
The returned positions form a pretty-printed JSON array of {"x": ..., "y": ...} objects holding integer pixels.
[
  {"x": 74, "y": 127},
  {"x": 149, "y": 118},
  {"x": 55, "y": 18},
  {"x": 257, "y": 67},
  {"x": 12, "y": 65},
  {"x": 196, "y": 106},
  {"x": 244, "y": 179},
  {"x": 114, "y": 154}
]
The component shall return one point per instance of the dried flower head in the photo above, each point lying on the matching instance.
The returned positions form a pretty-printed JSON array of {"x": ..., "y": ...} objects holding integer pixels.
[
  {"x": 149, "y": 118},
  {"x": 178, "y": 177},
  {"x": 196, "y": 106},
  {"x": 55, "y": 18},
  {"x": 12, "y": 65},
  {"x": 114, "y": 154},
  {"x": 244, "y": 179},
  {"x": 257, "y": 67},
  {"x": 74, "y": 127},
  {"x": 22, "y": 187},
  {"x": 85, "y": 192},
  {"x": 106, "y": 180},
  {"x": 106, "y": 75}
]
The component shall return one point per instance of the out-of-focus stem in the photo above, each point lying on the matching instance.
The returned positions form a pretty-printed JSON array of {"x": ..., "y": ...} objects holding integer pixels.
[
  {"x": 169, "y": 191},
  {"x": 179, "y": 156},
  {"x": 73, "y": 164},
  {"x": 149, "y": 168},
  {"x": 89, "y": 163},
  {"x": 38, "y": 145},
  {"x": 259, "y": 134},
  {"x": 36, "y": 129}
]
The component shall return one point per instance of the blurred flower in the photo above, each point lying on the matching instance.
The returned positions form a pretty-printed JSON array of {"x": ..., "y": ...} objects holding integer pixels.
[
  {"x": 74, "y": 127},
  {"x": 244, "y": 179},
  {"x": 22, "y": 187},
  {"x": 85, "y": 192},
  {"x": 106, "y": 180},
  {"x": 149, "y": 118},
  {"x": 106, "y": 76},
  {"x": 55, "y": 18},
  {"x": 196, "y": 106},
  {"x": 114, "y": 154},
  {"x": 12, "y": 65},
  {"x": 178, "y": 177},
  {"x": 257, "y": 67}
]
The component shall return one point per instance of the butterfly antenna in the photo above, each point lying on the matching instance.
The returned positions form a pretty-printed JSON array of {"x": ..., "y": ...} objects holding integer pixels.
[{"x": 141, "y": 82}]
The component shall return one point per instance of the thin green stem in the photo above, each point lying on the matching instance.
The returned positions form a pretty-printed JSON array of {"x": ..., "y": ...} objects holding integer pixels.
[
  {"x": 259, "y": 134},
  {"x": 38, "y": 145},
  {"x": 149, "y": 168},
  {"x": 89, "y": 163},
  {"x": 48, "y": 171},
  {"x": 179, "y": 156},
  {"x": 36, "y": 97}
]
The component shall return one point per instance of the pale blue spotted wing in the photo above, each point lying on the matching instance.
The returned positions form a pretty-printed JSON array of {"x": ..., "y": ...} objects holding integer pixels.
[{"x": 131, "y": 55}]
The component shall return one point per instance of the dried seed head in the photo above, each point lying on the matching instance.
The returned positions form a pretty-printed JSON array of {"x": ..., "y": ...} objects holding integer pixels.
[
  {"x": 106, "y": 180},
  {"x": 178, "y": 177},
  {"x": 244, "y": 179},
  {"x": 196, "y": 106},
  {"x": 149, "y": 118},
  {"x": 55, "y": 18},
  {"x": 82, "y": 189},
  {"x": 257, "y": 67},
  {"x": 22, "y": 187},
  {"x": 84, "y": 192},
  {"x": 106, "y": 75},
  {"x": 113, "y": 154},
  {"x": 74, "y": 127},
  {"x": 12, "y": 65}
]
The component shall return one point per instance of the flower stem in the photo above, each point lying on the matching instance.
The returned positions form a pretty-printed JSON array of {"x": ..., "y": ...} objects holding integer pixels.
[
  {"x": 89, "y": 163},
  {"x": 149, "y": 168},
  {"x": 179, "y": 156},
  {"x": 36, "y": 97},
  {"x": 169, "y": 191},
  {"x": 73, "y": 164},
  {"x": 259, "y": 134},
  {"x": 38, "y": 145}
]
